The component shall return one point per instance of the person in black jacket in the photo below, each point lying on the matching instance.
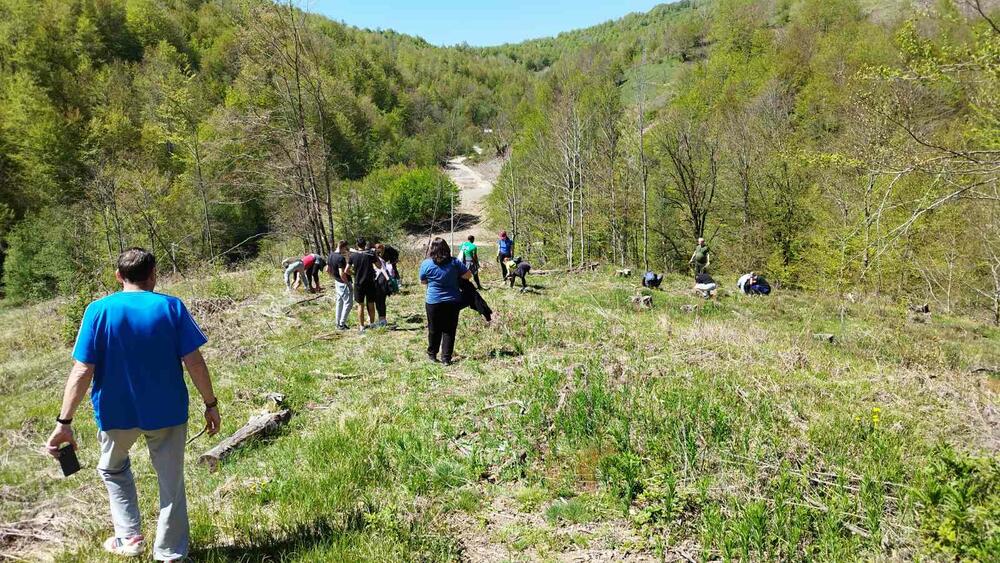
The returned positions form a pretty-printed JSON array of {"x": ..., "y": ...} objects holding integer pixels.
[{"x": 472, "y": 299}]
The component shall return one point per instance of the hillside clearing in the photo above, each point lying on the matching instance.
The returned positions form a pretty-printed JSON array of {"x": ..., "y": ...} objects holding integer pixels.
[{"x": 574, "y": 428}]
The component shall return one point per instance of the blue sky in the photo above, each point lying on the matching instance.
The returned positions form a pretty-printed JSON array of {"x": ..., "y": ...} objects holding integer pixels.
[{"x": 476, "y": 22}]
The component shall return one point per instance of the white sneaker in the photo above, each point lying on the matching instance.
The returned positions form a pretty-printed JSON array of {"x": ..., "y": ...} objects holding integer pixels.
[{"x": 126, "y": 547}]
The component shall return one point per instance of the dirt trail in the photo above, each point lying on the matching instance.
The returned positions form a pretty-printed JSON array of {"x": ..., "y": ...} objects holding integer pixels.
[{"x": 474, "y": 183}]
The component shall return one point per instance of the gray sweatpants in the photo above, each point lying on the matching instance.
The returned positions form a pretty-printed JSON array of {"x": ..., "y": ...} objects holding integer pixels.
[
  {"x": 166, "y": 451},
  {"x": 297, "y": 267},
  {"x": 344, "y": 300}
]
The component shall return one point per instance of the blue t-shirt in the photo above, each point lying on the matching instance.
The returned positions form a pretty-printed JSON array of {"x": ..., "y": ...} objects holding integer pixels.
[
  {"x": 505, "y": 246},
  {"x": 136, "y": 340},
  {"x": 442, "y": 281}
]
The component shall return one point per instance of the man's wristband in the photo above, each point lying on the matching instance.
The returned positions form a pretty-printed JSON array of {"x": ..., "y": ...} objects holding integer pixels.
[
  {"x": 66, "y": 421},
  {"x": 212, "y": 404}
]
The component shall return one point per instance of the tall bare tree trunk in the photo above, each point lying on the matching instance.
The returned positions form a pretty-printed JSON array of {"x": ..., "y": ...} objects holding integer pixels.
[
  {"x": 204, "y": 192},
  {"x": 643, "y": 172}
]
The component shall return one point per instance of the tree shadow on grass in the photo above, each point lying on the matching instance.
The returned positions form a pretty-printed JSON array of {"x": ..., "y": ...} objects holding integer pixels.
[
  {"x": 300, "y": 540},
  {"x": 443, "y": 224}
]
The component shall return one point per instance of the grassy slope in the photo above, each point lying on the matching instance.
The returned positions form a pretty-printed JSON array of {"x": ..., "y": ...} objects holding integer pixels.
[{"x": 575, "y": 425}]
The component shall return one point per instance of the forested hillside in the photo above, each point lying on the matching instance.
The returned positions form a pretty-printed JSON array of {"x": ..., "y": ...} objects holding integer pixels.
[
  {"x": 198, "y": 128},
  {"x": 837, "y": 145}
]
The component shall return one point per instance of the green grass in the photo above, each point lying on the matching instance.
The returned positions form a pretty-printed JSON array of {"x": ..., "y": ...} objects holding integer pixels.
[{"x": 574, "y": 424}]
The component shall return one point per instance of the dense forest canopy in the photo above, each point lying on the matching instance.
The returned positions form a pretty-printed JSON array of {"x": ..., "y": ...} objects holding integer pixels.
[
  {"x": 196, "y": 128},
  {"x": 838, "y": 145}
]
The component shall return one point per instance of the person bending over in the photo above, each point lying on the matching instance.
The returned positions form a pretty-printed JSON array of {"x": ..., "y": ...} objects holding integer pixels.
[
  {"x": 314, "y": 264},
  {"x": 757, "y": 285},
  {"x": 295, "y": 272},
  {"x": 651, "y": 280},
  {"x": 519, "y": 269},
  {"x": 705, "y": 285}
]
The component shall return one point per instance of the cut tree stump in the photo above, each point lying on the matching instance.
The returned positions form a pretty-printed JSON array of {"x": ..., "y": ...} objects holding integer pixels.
[
  {"x": 259, "y": 426},
  {"x": 642, "y": 301},
  {"x": 825, "y": 337},
  {"x": 277, "y": 398}
]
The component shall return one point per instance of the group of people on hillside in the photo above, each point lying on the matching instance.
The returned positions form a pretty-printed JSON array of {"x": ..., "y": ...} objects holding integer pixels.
[
  {"x": 704, "y": 284},
  {"x": 512, "y": 267},
  {"x": 133, "y": 346},
  {"x": 367, "y": 275}
]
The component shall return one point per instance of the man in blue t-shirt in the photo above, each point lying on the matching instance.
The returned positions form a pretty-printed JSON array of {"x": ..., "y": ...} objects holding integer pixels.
[{"x": 131, "y": 345}]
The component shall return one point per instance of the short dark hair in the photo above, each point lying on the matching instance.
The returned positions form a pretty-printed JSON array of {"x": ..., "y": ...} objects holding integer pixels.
[
  {"x": 440, "y": 252},
  {"x": 362, "y": 243},
  {"x": 341, "y": 244},
  {"x": 136, "y": 264},
  {"x": 472, "y": 238}
]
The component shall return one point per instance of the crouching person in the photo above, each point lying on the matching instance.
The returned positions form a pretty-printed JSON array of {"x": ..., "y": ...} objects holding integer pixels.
[
  {"x": 131, "y": 345},
  {"x": 705, "y": 285}
]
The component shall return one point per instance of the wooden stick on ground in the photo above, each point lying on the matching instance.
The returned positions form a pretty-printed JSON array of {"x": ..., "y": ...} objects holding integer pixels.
[
  {"x": 503, "y": 404},
  {"x": 258, "y": 426},
  {"x": 301, "y": 301},
  {"x": 196, "y": 436}
]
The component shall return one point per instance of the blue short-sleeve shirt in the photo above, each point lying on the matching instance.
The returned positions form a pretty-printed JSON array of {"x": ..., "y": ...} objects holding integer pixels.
[
  {"x": 442, "y": 281},
  {"x": 135, "y": 340}
]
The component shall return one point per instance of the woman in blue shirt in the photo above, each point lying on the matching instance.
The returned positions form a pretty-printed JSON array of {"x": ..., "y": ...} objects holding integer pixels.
[
  {"x": 440, "y": 272},
  {"x": 505, "y": 252}
]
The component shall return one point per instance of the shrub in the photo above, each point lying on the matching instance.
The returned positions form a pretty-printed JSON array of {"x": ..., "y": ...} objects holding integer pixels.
[
  {"x": 45, "y": 257},
  {"x": 416, "y": 196},
  {"x": 622, "y": 474},
  {"x": 961, "y": 506}
]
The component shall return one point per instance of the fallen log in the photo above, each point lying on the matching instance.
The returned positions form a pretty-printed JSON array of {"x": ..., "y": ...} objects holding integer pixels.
[
  {"x": 259, "y": 426},
  {"x": 623, "y": 273},
  {"x": 503, "y": 404},
  {"x": 578, "y": 269},
  {"x": 301, "y": 301},
  {"x": 824, "y": 336}
]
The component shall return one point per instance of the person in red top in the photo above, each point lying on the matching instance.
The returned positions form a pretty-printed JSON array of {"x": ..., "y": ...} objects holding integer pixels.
[{"x": 308, "y": 260}]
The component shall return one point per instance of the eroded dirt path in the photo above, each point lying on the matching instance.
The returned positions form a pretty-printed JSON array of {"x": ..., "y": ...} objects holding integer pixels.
[{"x": 475, "y": 182}]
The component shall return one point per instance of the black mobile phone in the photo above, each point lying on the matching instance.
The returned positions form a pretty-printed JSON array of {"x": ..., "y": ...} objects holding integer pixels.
[{"x": 67, "y": 459}]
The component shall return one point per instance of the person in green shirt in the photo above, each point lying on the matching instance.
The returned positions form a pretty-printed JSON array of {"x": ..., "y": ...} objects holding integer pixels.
[
  {"x": 470, "y": 258},
  {"x": 701, "y": 259}
]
